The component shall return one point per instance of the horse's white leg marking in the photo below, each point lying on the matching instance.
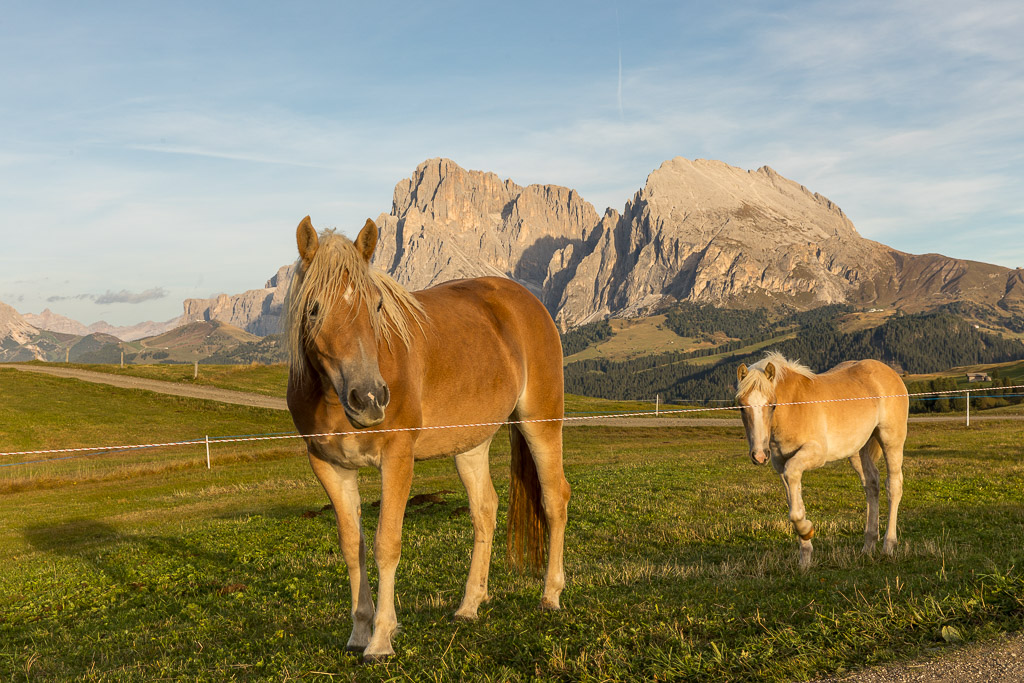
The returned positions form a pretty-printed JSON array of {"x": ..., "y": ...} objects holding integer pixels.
[
  {"x": 864, "y": 463},
  {"x": 807, "y": 458},
  {"x": 475, "y": 472},
  {"x": 396, "y": 480},
  {"x": 545, "y": 441},
  {"x": 341, "y": 488},
  {"x": 892, "y": 446}
]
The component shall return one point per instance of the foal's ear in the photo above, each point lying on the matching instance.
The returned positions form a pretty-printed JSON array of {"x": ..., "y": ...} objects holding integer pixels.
[
  {"x": 366, "y": 242},
  {"x": 769, "y": 371},
  {"x": 305, "y": 237},
  {"x": 741, "y": 372}
]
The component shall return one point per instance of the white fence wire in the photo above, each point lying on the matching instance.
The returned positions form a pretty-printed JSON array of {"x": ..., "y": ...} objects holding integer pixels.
[{"x": 659, "y": 412}]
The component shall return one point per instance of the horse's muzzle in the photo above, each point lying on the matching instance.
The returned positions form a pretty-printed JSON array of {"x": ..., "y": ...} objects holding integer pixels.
[
  {"x": 758, "y": 457},
  {"x": 364, "y": 407}
]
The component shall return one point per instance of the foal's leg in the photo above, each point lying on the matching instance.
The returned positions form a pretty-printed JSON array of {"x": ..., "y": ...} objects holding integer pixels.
[
  {"x": 545, "y": 441},
  {"x": 396, "y": 479},
  {"x": 475, "y": 472},
  {"x": 864, "y": 463},
  {"x": 807, "y": 458},
  {"x": 341, "y": 488},
  {"x": 892, "y": 445}
]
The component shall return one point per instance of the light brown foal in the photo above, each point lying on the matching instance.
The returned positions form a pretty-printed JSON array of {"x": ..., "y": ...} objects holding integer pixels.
[{"x": 800, "y": 421}]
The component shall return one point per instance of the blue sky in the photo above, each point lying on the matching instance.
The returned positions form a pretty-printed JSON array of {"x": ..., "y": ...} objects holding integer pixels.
[{"x": 157, "y": 151}]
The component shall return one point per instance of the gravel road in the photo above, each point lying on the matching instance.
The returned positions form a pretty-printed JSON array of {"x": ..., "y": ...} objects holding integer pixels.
[
  {"x": 1001, "y": 661},
  {"x": 159, "y": 386}
]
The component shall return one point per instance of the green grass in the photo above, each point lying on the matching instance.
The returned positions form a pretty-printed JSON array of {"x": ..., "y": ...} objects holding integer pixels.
[
  {"x": 680, "y": 559},
  {"x": 633, "y": 337},
  {"x": 270, "y": 380},
  {"x": 39, "y": 412}
]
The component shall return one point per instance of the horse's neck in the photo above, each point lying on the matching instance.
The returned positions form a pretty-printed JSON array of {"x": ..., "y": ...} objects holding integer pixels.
[{"x": 788, "y": 388}]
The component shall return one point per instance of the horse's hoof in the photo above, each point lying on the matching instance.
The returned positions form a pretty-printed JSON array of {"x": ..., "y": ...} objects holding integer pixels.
[
  {"x": 355, "y": 649},
  {"x": 377, "y": 659},
  {"x": 465, "y": 616},
  {"x": 549, "y": 605}
]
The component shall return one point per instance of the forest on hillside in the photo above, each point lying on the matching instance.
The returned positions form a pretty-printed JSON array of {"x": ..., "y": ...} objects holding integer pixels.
[{"x": 917, "y": 343}]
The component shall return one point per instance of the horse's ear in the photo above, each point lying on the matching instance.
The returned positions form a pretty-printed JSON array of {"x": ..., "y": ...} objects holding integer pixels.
[
  {"x": 366, "y": 242},
  {"x": 741, "y": 372},
  {"x": 769, "y": 371},
  {"x": 305, "y": 237}
]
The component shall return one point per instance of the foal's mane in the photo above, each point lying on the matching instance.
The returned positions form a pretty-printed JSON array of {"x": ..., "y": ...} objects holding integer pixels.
[
  {"x": 322, "y": 284},
  {"x": 756, "y": 379}
]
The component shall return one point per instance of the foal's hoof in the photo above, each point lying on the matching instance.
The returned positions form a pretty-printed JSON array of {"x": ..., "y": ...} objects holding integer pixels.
[
  {"x": 376, "y": 659},
  {"x": 465, "y": 616},
  {"x": 355, "y": 649},
  {"x": 549, "y": 605}
]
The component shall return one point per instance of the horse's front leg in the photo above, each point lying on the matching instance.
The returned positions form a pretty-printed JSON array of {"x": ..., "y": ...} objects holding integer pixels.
[
  {"x": 475, "y": 472},
  {"x": 341, "y": 488},
  {"x": 808, "y": 457},
  {"x": 396, "y": 480}
]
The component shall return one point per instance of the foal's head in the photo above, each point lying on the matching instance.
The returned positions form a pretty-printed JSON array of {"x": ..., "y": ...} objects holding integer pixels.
[
  {"x": 339, "y": 311},
  {"x": 755, "y": 392}
]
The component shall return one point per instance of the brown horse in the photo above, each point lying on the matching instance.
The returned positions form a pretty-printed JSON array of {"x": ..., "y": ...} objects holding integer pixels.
[
  {"x": 856, "y": 410},
  {"x": 379, "y": 375}
]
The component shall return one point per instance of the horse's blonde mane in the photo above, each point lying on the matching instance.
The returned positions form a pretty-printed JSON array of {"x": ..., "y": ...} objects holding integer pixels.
[
  {"x": 757, "y": 380},
  {"x": 320, "y": 286}
]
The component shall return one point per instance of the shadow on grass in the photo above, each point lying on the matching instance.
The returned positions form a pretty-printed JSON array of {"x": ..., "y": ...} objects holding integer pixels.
[{"x": 92, "y": 542}]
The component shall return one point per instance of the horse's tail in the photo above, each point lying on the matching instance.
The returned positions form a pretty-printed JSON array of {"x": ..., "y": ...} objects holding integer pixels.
[{"x": 527, "y": 524}]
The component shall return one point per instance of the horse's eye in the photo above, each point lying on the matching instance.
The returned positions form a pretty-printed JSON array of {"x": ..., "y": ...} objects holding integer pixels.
[
  {"x": 314, "y": 310},
  {"x": 380, "y": 304}
]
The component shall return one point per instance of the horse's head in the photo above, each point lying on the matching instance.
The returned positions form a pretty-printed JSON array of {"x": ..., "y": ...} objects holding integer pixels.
[
  {"x": 755, "y": 392},
  {"x": 334, "y": 322}
]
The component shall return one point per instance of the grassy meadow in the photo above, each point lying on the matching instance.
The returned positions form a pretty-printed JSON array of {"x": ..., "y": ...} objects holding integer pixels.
[{"x": 680, "y": 559}]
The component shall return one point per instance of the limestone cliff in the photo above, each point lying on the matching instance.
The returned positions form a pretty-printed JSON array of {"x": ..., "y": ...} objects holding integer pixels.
[
  {"x": 698, "y": 231},
  {"x": 257, "y": 311}
]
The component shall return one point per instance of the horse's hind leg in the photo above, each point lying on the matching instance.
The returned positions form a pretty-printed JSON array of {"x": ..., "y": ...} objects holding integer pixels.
[
  {"x": 892, "y": 445},
  {"x": 545, "y": 442},
  {"x": 864, "y": 463},
  {"x": 474, "y": 470}
]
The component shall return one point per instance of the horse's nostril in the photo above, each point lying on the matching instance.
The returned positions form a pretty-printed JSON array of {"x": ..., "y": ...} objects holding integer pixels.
[
  {"x": 385, "y": 396},
  {"x": 353, "y": 400}
]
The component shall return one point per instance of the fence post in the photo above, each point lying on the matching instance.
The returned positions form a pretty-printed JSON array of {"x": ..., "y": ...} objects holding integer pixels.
[
  {"x": 195, "y": 370},
  {"x": 207, "y": 451},
  {"x": 657, "y": 404},
  {"x": 968, "y": 409}
]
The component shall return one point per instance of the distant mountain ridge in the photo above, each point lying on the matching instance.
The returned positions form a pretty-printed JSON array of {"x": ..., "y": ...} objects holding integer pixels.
[
  {"x": 699, "y": 231},
  {"x": 48, "y": 320}
]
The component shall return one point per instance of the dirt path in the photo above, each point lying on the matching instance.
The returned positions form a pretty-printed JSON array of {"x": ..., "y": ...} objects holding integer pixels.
[
  {"x": 172, "y": 388},
  {"x": 999, "y": 661},
  {"x": 278, "y": 403}
]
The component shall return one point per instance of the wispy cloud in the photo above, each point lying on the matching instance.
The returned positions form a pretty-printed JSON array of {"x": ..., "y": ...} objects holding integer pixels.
[
  {"x": 126, "y": 297},
  {"x": 111, "y": 297}
]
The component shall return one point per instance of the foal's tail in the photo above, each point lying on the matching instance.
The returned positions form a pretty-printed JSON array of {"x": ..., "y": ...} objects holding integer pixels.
[{"x": 527, "y": 525}]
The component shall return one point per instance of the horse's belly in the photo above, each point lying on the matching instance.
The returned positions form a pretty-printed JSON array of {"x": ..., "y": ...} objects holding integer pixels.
[{"x": 440, "y": 443}]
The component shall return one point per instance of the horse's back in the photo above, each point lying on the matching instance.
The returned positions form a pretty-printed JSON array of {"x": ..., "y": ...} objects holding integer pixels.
[
  {"x": 508, "y": 306},
  {"x": 502, "y": 329},
  {"x": 871, "y": 379}
]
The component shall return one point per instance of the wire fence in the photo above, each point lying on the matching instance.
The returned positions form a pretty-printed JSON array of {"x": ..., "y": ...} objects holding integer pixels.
[{"x": 659, "y": 412}]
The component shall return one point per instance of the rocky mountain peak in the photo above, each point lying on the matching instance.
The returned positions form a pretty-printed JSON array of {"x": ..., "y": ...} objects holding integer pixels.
[
  {"x": 447, "y": 223},
  {"x": 13, "y": 328}
]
